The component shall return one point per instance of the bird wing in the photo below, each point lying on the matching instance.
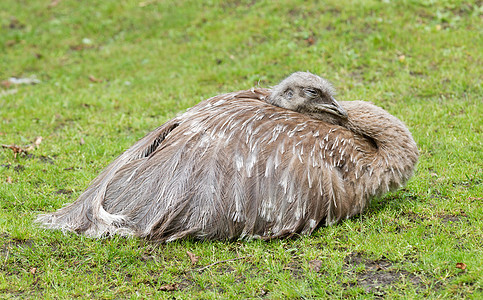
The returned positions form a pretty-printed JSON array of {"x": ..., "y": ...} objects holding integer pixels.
[
  {"x": 236, "y": 166},
  {"x": 87, "y": 214},
  {"x": 231, "y": 166}
]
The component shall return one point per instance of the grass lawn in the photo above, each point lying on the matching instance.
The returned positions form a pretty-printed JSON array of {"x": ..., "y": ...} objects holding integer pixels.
[{"x": 110, "y": 71}]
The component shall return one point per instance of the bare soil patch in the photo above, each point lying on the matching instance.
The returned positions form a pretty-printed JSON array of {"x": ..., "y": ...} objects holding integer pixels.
[{"x": 377, "y": 274}]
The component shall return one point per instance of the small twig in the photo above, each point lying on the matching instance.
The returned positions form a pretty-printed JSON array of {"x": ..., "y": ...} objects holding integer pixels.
[
  {"x": 222, "y": 261},
  {"x": 16, "y": 149}
]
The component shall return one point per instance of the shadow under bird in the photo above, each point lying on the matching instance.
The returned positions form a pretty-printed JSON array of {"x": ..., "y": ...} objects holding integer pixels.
[{"x": 260, "y": 163}]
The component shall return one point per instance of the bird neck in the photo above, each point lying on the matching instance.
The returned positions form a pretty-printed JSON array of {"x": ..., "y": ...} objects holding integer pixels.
[
  {"x": 395, "y": 153},
  {"x": 382, "y": 128}
]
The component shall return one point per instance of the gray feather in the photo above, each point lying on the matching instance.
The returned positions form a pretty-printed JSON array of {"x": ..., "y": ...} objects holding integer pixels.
[{"x": 241, "y": 166}]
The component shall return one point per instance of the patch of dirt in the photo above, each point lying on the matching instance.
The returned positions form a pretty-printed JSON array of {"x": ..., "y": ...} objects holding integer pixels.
[
  {"x": 224, "y": 269},
  {"x": 15, "y": 24},
  {"x": 377, "y": 274},
  {"x": 42, "y": 158},
  {"x": 295, "y": 270},
  {"x": 444, "y": 218},
  {"x": 464, "y": 10},
  {"x": 185, "y": 283},
  {"x": 21, "y": 243},
  {"x": 413, "y": 217},
  {"x": 356, "y": 258},
  {"x": 63, "y": 192},
  {"x": 19, "y": 168},
  {"x": 229, "y": 5},
  {"x": 11, "y": 247},
  {"x": 470, "y": 182},
  {"x": 72, "y": 168},
  {"x": 452, "y": 219},
  {"x": 437, "y": 195}
]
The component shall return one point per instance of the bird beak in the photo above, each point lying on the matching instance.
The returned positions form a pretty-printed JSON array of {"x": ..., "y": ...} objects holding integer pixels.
[
  {"x": 333, "y": 107},
  {"x": 338, "y": 109}
]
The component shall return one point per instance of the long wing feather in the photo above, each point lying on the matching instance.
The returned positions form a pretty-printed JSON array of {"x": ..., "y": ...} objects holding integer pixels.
[{"x": 232, "y": 166}]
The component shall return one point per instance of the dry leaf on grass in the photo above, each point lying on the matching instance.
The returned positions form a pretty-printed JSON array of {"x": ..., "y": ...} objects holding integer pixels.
[
  {"x": 169, "y": 287},
  {"x": 315, "y": 265},
  {"x": 18, "y": 149},
  {"x": 310, "y": 40},
  {"x": 461, "y": 266},
  {"x": 94, "y": 79},
  {"x": 37, "y": 141},
  {"x": 6, "y": 84},
  {"x": 81, "y": 141},
  {"x": 54, "y": 3},
  {"x": 194, "y": 259},
  {"x": 15, "y": 148},
  {"x": 9, "y": 180},
  {"x": 33, "y": 270},
  {"x": 35, "y": 144}
]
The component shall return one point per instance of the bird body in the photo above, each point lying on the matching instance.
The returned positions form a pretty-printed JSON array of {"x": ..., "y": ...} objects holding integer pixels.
[{"x": 237, "y": 166}]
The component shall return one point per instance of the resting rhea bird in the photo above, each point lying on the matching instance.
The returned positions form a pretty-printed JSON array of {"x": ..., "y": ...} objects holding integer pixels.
[{"x": 259, "y": 163}]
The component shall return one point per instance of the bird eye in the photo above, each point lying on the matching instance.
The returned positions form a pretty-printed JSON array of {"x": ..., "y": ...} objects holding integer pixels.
[
  {"x": 312, "y": 93},
  {"x": 289, "y": 93}
]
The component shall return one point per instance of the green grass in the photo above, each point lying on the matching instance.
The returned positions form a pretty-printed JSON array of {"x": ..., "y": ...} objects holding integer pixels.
[{"x": 420, "y": 60}]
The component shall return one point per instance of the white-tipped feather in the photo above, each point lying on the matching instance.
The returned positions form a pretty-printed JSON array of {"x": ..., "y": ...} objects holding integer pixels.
[{"x": 238, "y": 166}]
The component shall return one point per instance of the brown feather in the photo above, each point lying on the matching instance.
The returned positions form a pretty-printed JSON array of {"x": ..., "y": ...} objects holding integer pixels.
[{"x": 234, "y": 166}]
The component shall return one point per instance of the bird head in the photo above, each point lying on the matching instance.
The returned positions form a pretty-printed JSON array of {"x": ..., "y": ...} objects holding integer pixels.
[{"x": 308, "y": 94}]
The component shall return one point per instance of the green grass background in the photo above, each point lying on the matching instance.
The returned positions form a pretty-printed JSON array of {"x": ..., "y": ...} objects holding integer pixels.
[{"x": 111, "y": 71}]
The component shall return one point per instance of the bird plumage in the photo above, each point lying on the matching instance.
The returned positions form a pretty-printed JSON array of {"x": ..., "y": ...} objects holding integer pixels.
[{"x": 235, "y": 166}]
